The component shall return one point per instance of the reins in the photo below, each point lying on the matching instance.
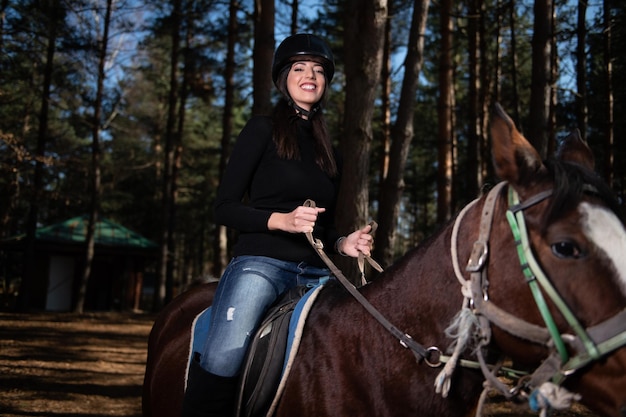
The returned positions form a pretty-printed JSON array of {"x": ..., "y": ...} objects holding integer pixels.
[{"x": 405, "y": 339}]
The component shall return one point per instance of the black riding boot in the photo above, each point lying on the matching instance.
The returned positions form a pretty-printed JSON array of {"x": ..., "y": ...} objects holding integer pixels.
[{"x": 208, "y": 395}]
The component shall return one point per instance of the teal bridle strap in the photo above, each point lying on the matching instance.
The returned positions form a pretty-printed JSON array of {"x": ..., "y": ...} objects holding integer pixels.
[
  {"x": 609, "y": 335},
  {"x": 538, "y": 281}
]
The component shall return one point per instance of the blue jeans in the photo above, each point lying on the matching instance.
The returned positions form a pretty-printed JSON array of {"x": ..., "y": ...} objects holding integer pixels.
[{"x": 248, "y": 287}]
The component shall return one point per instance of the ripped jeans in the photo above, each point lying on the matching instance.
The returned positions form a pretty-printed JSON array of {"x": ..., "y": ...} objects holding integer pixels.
[{"x": 248, "y": 287}]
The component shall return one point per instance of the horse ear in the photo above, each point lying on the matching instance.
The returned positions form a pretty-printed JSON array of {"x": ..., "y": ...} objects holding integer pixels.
[
  {"x": 515, "y": 159},
  {"x": 574, "y": 149}
]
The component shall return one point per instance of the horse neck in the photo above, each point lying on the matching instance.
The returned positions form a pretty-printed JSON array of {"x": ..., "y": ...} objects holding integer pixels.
[
  {"x": 424, "y": 283},
  {"x": 419, "y": 286}
]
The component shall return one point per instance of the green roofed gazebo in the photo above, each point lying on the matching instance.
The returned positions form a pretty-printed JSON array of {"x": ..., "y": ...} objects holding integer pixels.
[
  {"x": 108, "y": 233},
  {"x": 122, "y": 258}
]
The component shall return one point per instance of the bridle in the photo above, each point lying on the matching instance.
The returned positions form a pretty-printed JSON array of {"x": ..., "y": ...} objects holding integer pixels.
[
  {"x": 478, "y": 313},
  {"x": 588, "y": 344}
]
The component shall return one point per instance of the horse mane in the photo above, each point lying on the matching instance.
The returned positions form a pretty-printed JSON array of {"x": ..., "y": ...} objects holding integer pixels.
[{"x": 572, "y": 183}]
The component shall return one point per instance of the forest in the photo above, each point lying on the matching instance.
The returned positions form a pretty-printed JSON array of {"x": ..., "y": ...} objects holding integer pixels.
[{"x": 127, "y": 110}]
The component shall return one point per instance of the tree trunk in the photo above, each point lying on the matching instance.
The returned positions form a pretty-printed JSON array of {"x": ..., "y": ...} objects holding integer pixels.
[
  {"x": 497, "y": 59},
  {"x": 169, "y": 154},
  {"x": 444, "y": 170},
  {"x": 554, "y": 73},
  {"x": 263, "y": 55},
  {"x": 581, "y": 70},
  {"x": 402, "y": 135},
  {"x": 385, "y": 106},
  {"x": 294, "y": 17},
  {"x": 3, "y": 7},
  {"x": 24, "y": 301},
  {"x": 540, "y": 77},
  {"x": 220, "y": 249},
  {"x": 609, "y": 144},
  {"x": 515, "y": 111},
  {"x": 364, "y": 26},
  {"x": 175, "y": 270},
  {"x": 488, "y": 79},
  {"x": 90, "y": 239},
  {"x": 474, "y": 172}
]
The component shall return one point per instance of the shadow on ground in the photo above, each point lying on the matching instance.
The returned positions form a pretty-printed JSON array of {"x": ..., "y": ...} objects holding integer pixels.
[{"x": 90, "y": 365}]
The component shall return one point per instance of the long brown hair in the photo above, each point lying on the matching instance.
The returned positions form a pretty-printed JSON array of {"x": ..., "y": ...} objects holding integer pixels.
[{"x": 285, "y": 129}]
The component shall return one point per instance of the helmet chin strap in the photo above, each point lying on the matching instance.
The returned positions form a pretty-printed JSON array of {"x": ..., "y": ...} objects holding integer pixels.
[{"x": 306, "y": 113}]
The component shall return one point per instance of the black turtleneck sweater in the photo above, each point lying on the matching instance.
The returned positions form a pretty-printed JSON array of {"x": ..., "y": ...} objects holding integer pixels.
[{"x": 273, "y": 184}]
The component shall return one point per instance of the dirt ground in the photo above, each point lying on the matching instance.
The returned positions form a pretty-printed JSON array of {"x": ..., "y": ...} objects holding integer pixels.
[
  {"x": 72, "y": 366},
  {"x": 92, "y": 365}
]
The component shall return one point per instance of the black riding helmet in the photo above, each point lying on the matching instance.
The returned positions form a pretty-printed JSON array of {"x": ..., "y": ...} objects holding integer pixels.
[{"x": 303, "y": 44}]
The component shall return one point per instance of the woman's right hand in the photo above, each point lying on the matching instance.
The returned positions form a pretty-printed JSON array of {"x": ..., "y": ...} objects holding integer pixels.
[{"x": 300, "y": 220}]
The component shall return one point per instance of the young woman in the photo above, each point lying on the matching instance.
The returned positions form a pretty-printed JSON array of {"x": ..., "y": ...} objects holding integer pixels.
[{"x": 277, "y": 163}]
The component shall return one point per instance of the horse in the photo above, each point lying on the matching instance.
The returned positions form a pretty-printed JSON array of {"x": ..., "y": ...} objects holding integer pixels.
[{"x": 538, "y": 314}]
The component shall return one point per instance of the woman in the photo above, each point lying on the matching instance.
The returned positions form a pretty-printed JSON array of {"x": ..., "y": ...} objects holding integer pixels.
[{"x": 277, "y": 164}]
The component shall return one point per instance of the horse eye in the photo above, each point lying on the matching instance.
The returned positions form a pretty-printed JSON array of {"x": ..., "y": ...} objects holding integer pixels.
[{"x": 566, "y": 249}]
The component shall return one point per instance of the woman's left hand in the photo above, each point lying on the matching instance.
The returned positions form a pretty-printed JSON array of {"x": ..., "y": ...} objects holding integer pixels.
[{"x": 359, "y": 241}]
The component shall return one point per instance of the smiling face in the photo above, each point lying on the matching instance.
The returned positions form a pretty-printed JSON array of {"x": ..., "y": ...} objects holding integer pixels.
[{"x": 306, "y": 82}]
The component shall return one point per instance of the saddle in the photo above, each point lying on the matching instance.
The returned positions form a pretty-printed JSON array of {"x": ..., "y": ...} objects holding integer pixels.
[
  {"x": 271, "y": 351},
  {"x": 264, "y": 362}
]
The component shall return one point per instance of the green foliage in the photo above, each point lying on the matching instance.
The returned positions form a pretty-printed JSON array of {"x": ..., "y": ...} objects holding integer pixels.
[{"x": 137, "y": 87}]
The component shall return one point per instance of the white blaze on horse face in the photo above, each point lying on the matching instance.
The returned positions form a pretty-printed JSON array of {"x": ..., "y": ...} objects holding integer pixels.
[{"x": 607, "y": 233}]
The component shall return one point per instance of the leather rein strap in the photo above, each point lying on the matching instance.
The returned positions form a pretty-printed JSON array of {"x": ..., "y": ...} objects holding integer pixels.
[{"x": 405, "y": 340}]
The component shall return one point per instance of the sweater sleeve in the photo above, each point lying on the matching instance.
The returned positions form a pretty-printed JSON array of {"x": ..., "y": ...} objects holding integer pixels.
[{"x": 248, "y": 151}]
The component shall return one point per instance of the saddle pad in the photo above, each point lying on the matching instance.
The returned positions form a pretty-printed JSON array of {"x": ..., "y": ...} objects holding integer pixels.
[
  {"x": 200, "y": 328},
  {"x": 296, "y": 326}
]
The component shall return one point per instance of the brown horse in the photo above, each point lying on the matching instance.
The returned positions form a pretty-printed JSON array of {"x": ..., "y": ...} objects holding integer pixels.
[{"x": 538, "y": 313}]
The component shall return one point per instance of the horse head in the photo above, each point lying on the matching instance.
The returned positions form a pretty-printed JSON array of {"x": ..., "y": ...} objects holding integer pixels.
[{"x": 560, "y": 311}]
